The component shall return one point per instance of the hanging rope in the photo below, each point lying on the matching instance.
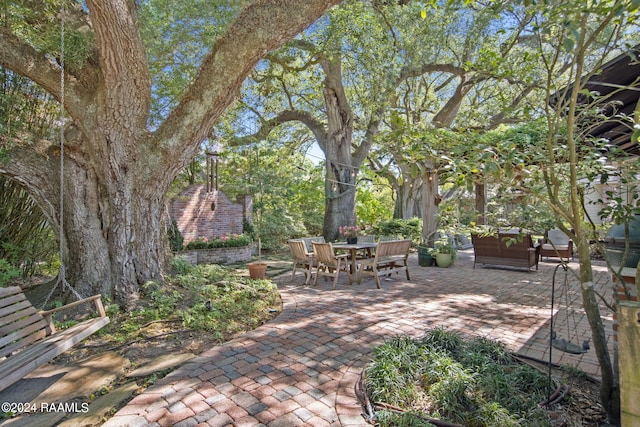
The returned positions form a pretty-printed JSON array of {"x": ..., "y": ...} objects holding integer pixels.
[
  {"x": 61, "y": 275},
  {"x": 62, "y": 278}
]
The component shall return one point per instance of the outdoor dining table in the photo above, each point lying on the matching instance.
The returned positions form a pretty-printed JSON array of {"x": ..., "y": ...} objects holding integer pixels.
[{"x": 353, "y": 248}]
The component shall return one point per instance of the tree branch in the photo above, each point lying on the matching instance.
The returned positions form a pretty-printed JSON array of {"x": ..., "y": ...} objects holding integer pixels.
[
  {"x": 123, "y": 63},
  {"x": 230, "y": 60},
  {"x": 23, "y": 59},
  {"x": 276, "y": 60},
  {"x": 409, "y": 72},
  {"x": 31, "y": 166},
  {"x": 314, "y": 125},
  {"x": 448, "y": 113}
]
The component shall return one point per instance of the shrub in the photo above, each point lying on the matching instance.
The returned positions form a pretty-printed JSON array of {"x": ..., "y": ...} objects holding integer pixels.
[
  {"x": 181, "y": 265},
  {"x": 7, "y": 272},
  {"x": 176, "y": 241},
  {"x": 248, "y": 229},
  {"x": 27, "y": 242},
  {"x": 405, "y": 228},
  {"x": 226, "y": 241}
]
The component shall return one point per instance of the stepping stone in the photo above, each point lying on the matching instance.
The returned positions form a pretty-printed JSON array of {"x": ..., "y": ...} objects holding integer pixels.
[
  {"x": 85, "y": 378},
  {"x": 99, "y": 408},
  {"x": 160, "y": 364},
  {"x": 54, "y": 386},
  {"x": 28, "y": 388},
  {"x": 35, "y": 420}
]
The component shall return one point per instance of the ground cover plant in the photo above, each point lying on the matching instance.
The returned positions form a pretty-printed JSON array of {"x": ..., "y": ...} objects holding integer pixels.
[
  {"x": 472, "y": 382},
  {"x": 210, "y": 298}
]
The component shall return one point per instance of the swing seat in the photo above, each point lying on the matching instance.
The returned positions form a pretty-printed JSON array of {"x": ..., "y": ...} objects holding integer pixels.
[
  {"x": 28, "y": 337},
  {"x": 567, "y": 346}
]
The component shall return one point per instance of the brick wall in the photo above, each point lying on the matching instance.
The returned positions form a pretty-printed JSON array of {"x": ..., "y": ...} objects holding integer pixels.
[
  {"x": 629, "y": 278},
  {"x": 218, "y": 255},
  {"x": 626, "y": 292},
  {"x": 199, "y": 213}
]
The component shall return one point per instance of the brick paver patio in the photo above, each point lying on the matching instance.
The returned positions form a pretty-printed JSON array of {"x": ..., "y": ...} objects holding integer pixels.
[{"x": 301, "y": 368}]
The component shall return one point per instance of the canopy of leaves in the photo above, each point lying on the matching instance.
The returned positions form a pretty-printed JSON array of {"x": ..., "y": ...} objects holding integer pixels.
[{"x": 177, "y": 35}]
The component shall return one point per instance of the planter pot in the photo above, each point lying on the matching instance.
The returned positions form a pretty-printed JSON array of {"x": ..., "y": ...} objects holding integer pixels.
[
  {"x": 424, "y": 257},
  {"x": 257, "y": 270},
  {"x": 352, "y": 240},
  {"x": 444, "y": 260}
]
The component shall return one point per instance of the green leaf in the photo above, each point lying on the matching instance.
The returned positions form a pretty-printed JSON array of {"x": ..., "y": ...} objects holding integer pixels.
[
  {"x": 423, "y": 14},
  {"x": 415, "y": 170},
  {"x": 568, "y": 44}
]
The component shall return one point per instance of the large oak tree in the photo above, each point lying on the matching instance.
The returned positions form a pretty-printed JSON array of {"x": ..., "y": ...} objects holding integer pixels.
[
  {"x": 117, "y": 167},
  {"x": 334, "y": 82}
]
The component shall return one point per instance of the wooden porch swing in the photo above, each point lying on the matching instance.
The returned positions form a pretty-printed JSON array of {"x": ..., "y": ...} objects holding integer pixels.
[{"x": 28, "y": 337}]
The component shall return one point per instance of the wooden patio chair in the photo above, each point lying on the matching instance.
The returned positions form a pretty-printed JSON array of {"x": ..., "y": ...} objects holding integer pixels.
[
  {"x": 329, "y": 264},
  {"x": 302, "y": 258},
  {"x": 308, "y": 240},
  {"x": 556, "y": 244},
  {"x": 391, "y": 255}
]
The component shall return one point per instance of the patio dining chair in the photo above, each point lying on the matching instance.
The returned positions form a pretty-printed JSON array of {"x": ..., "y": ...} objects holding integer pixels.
[
  {"x": 329, "y": 264},
  {"x": 308, "y": 240},
  {"x": 302, "y": 258}
]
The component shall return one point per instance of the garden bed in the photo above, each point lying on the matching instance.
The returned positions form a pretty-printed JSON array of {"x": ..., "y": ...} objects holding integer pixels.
[{"x": 444, "y": 380}]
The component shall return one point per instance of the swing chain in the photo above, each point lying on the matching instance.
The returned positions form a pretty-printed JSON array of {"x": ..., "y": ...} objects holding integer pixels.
[{"x": 62, "y": 279}]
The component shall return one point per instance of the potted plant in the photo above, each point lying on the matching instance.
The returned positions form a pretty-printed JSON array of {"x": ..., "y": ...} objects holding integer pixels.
[
  {"x": 425, "y": 256},
  {"x": 351, "y": 232},
  {"x": 445, "y": 252},
  {"x": 426, "y": 251}
]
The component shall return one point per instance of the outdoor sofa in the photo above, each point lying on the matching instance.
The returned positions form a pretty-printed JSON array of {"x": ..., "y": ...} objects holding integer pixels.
[{"x": 505, "y": 249}]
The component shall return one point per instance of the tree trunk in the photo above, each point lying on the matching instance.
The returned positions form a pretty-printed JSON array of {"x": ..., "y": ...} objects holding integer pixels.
[
  {"x": 430, "y": 201},
  {"x": 85, "y": 249},
  {"x": 136, "y": 240},
  {"x": 408, "y": 198},
  {"x": 340, "y": 199},
  {"x": 341, "y": 173},
  {"x": 114, "y": 236},
  {"x": 481, "y": 203},
  {"x": 340, "y": 178},
  {"x": 609, "y": 388}
]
